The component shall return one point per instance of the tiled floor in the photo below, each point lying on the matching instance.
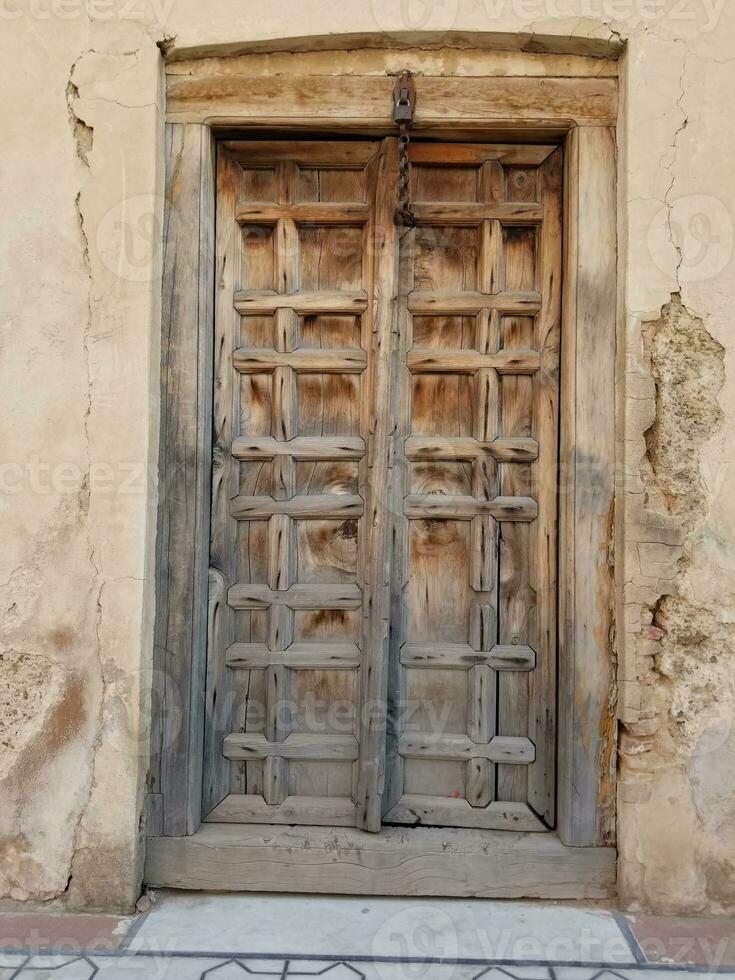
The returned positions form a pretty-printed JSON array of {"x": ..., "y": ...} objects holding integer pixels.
[{"x": 218, "y": 937}]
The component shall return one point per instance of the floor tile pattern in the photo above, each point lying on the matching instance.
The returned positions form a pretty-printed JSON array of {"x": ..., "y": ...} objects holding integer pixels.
[
  {"x": 140, "y": 967},
  {"x": 217, "y": 937}
]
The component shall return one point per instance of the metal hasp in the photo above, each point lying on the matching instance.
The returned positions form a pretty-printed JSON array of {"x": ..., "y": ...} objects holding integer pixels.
[{"x": 404, "y": 112}]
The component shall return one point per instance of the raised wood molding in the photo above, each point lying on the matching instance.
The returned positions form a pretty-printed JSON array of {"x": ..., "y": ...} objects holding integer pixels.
[{"x": 397, "y": 861}]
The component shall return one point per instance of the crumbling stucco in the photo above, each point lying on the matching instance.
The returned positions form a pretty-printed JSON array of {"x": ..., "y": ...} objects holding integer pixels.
[
  {"x": 687, "y": 367},
  {"x": 671, "y": 747},
  {"x": 27, "y": 688},
  {"x": 79, "y": 321}
]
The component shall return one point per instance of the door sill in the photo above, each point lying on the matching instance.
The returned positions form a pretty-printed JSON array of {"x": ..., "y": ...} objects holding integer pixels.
[{"x": 428, "y": 861}]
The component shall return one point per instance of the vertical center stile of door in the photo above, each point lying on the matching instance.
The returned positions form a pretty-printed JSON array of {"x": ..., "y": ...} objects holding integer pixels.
[
  {"x": 282, "y": 548},
  {"x": 380, "y": 454},
  {"x": 482, "y": 687},
  {"x": 396, "y": 703}
]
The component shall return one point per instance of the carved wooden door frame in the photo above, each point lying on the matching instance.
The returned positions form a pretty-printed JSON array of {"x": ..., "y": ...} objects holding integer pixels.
[{"x": 579, "y": 114}]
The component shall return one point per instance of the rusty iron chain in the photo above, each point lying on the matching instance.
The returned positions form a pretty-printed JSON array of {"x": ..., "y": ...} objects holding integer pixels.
[{"x": 404, "y": 109}]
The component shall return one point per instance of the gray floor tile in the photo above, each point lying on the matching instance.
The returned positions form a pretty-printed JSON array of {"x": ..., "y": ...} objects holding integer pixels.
[{"x": 396, "y": 928}]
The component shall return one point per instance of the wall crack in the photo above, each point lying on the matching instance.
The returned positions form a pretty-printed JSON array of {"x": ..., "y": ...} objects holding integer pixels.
[{"x": 670, "y": 168}]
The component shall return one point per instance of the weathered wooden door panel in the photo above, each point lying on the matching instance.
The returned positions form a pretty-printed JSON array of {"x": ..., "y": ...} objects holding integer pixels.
[
  {"x": 384, "y": 491},
  {"x": 299, "y": 346},
  {"x": 473, "y": 658}
]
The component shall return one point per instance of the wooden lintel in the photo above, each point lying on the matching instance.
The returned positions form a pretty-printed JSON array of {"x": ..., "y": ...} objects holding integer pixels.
[{"x": 355, "y": 102}]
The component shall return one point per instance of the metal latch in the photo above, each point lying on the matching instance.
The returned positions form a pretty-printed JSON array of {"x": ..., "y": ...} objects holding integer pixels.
[{"x": 404, "y": 100}]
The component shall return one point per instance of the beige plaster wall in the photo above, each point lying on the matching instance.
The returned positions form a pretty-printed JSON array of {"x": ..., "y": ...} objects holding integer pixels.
[{"x": 79, "y": 332}]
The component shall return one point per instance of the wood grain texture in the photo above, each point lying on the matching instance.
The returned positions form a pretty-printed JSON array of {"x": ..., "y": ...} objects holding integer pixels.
[
  {"x": 243, "y": 596},
  {"x": 427, "y": 811},
  {"x": 295, "y": 746},
  {"x": 364, "y": 102},
  {"x": 456, "y": 606},
  {"x": 448, "y": 301},
  {"x": 299, "y": 448},
  {"x": 305, "y": 301},
  {"x": 463, "y": 655},
  {"x": 512, "y": 449},
  {"x": 241, "y": 808},
  {"x": 469, "y": 362},
  {"x": 318, "y": 505},
  {"x": 298, "y": 656},
  {"x": 587, "y": 749},
  {"x": 472, "y": 213},
  {"x": 251, "y": 361},
  {"x": 499, "y": 749},
  {"x": 323, "y": 213},
  {"x": 446, "y": 507},
  {"x": 543, "y": 576},
  {"x": 311, "y": 153},
  {"x": 183, "y": 479},
  {"x": 288, "y": 383},
  {"x": 480, "y": 387},
  {"x": 381, "y": 381},
  {"x": 419, "y": 861},
  {"x": 467, "y": 154}
]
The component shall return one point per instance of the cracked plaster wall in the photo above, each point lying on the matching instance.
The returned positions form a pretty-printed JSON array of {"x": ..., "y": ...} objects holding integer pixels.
[{"x": 79, "y": 322}]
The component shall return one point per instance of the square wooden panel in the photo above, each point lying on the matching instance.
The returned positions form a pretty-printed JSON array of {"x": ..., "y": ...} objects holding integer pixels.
[
  {"x": 332, "y": 184},
  {"x": 330, "y": 331}
]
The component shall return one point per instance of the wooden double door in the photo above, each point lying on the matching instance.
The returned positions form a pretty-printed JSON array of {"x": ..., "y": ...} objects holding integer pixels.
[{"x": 382, "y": 621}]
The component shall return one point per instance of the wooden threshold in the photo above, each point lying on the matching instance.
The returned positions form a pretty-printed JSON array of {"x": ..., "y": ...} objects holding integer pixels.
[{"x": 396, "y": 861}]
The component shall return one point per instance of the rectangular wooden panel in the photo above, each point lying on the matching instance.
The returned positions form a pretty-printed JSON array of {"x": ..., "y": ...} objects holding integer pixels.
[{"x": 302, "y": 344}]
